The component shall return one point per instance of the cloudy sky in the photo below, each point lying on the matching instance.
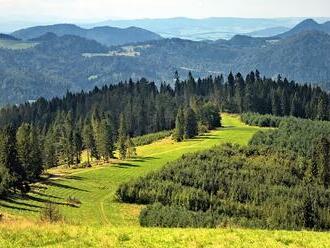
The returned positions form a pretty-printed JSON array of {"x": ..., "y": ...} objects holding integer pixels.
[{"x": 97, "y": 10}]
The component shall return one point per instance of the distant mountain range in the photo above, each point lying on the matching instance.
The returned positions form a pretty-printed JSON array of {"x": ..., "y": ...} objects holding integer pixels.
[
  {"x": 7, "y": 37},
  {"x": 268, "y": 32},
  {"x": 209, "y": 28},
  {"x": 307, "y": 25},
  {"x": 53, "y": 64},
  {"x": 108, "y": 36}
]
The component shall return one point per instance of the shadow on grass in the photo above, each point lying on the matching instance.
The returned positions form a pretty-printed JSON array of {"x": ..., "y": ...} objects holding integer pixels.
[
  {"x": 125, "y": 165},
  {"x": 17, "y": 208},
  {"x": 45, "y": 195},
  {"x": 142, "y": 159},
  {"x": 13, "y": 200},
  {"x": 74, "y": 177},
  {"x": 59, "y": 185}
]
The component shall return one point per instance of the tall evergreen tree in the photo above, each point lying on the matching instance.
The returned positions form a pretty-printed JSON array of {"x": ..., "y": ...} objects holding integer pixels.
[
  {"x": 179, "y": 126},
  {"x": 122, "y": 137},
  {"x": 190, "y": 124},
  {"x": 89, "y": 142}
]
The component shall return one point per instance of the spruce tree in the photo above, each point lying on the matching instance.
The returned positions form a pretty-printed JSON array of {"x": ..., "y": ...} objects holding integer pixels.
[
  {"x": 179, "y": 126},
  {"x": 122, "y": 136},
  {"x": 131, "y": 149},
  {"x": 190, "y": 124},
  {"x": 89, "y": 142},
  {"x": 9, "y": 158}
]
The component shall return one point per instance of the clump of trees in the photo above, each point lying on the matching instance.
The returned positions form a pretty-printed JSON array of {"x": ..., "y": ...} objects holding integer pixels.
[{"x": 190, "y": 122}]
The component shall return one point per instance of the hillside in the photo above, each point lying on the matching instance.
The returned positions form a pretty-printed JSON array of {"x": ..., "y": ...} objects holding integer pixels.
[
  {"x": 73, "y": 63},
  {"x": 306, "y": 25},
  {"x": 105, "y": 35}
]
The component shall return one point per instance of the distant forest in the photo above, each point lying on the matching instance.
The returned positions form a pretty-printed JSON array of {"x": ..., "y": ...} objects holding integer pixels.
[{"x": 48, "y": 133}]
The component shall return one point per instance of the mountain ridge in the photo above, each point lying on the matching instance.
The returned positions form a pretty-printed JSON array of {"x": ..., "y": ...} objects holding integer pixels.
[{"x": 105, "y": 35}]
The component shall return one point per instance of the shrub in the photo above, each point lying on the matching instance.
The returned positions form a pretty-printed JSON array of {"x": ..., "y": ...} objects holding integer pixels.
[
  {"x": 51, "y": 213},
  {"x": 150, "y": 138}
]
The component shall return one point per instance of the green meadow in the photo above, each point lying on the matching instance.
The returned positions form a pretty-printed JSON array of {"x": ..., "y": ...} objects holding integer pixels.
[{"x": 102, "y": 221}]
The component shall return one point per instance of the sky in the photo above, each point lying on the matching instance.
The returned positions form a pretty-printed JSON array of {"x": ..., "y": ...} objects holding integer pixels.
[{"x": 99, "y": 10}]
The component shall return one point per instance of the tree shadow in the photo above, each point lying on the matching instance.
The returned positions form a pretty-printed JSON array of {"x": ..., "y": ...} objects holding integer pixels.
[
  {"x": 125, "y": 165},
  {"x": 74, "y": 177},
  {"x": 17, "y": 208},
  {"x": 142, "y": 159},
  {"x": 13, "y": 201},
  {"x": 55, "y": 184},
  {"x": 45, "y": 195}
]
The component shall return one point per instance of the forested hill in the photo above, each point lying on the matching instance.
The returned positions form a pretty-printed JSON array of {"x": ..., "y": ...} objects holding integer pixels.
[
  {"x": 57, "y": 64},
  {"x": 109, "y": 36}
]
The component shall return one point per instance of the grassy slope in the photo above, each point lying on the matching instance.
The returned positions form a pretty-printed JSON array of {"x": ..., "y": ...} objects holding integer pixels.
[{"x": 95, "y": 187}]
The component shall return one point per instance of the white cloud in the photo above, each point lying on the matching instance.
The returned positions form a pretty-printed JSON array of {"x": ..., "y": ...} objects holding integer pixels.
[{"x": 73, "y": 10}]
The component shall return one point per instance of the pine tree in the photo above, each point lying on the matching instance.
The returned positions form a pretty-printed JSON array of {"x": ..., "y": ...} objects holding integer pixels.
[
  {"x": 9, "y": 159},
  {"x": 50, "y": 150},
  {"x": 122, "y": 136},
  {"x": 104, "y": 140},
  {"x": 190, "y": 124},
  {"x": 131, "y": 149},
  {"x": 179, "y": 126},
  {"x": 89, "y": 142},
  {"x": 36, "y": 153}
]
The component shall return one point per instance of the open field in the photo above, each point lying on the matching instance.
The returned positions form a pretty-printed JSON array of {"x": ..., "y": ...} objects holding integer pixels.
[
  {"x": 101, "y": 221},
  {"x": 25, "y": 235},
  {"x": 15, "y": 45}
]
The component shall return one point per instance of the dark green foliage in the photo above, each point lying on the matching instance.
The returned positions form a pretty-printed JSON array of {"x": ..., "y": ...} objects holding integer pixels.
[
  {"x": 150, "y": 138},
  {"x": 293, "y": 134},
  {"x": 29, "y": 151},
  {"x": 256, "y": 187},
  {"x": 179, "y": 126},
  {"x": 190, "y": 123},
  {"x": 261, "y": 120},
  {"x": 122, "y": 137}
]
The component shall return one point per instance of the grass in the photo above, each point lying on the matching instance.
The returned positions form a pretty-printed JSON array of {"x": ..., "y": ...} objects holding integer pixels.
[
  {"x": 101, "y": 221},
  {"x": 26, "y": 235},
  {"x": 15, "y": 45}
]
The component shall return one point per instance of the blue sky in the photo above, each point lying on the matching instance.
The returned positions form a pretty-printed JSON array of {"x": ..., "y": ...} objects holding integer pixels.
[{"x": 97, "y": 10}]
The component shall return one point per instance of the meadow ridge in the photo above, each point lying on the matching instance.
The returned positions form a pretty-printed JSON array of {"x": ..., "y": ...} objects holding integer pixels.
[{"x": 102, "y": 221}]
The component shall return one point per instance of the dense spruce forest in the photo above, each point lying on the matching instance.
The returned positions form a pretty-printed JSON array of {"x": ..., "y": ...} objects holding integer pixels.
[
  {"x": 280, "y": 181},
  {"x": 47, "y": 133}
]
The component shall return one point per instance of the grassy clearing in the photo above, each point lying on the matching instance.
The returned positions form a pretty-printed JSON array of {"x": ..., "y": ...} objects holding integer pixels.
[
  {"x": 26, "y": 235},
  {"x": 15, "y": 45},
  {"x": 95, "y": 187}
]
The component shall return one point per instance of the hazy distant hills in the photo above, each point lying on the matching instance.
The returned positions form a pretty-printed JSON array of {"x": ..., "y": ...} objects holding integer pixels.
[
  {"x": 53, "y": 64},
  {"x": 7, "y": 37},
  {"x": 307, "y": 25},
  {"x": 268, "y": 32},
  {"x": 209, "y": 28},
  {"x": 109, "y": 36}
]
